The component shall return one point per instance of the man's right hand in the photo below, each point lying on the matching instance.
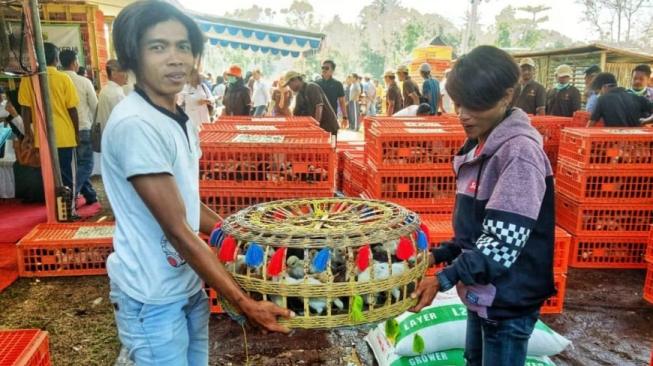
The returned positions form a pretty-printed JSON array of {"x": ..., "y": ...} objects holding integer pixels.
[{"x": 265, "y": 314}]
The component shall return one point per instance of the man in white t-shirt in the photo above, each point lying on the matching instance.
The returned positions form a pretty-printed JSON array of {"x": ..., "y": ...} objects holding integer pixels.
[
  {"x": 86, "y": 111},
  {"x": 150, "y": 158},
  {"x": 260, "y": 95},
  {"x": 423, "y": 109}
]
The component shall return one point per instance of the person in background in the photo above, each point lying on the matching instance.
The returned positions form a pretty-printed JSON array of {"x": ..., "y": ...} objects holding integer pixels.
[
  {"x": 591, "y": 95},
  {"x": 237, "y": 100},
  {"x": 281, "y": 98},
  {"x": 196, "y": 100},
  {"x": 81, "y": 71},
  {"x": 501, "y": 257},
  {"x": 64, "y": 101},
  {"x": 380, "y": 98},
  {"x": 411, "y": 93},
  {"x": 311, "y": 101},
  {"x": 207, "y": 80},
  {"x": 260, "y": 95},
  {"x": 430, "y": 89},
  {"x": 563, "y": 99},
  {"x": 447, "y": 104},
  {"x": 333, "y": 89},
  {"x": 393, "y": 100},
  {"x": 370, "y": 96},
  {"x": 616, "y": 106},
  {"x": 641, "y": 76},
  {"x": 249, "y": 81},
  {"x": 355, "y": 92},
  {"x": 86, "y": 109},
  {"x": 218, "y": 90},
  {"x": 423, "y": 109},
  {"x": 530, "y": 95}
]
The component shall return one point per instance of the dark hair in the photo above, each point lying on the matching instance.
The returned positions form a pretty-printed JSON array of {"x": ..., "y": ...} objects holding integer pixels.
[
  {"x": 331, "y": 63},
  {"x": 219, "y": 80},
  {"x": 479, "y": 79},
  {"x": 594, "y": 69},
  {"x": 51, "y": 53},
  {"x": 136, "y": 18},
  {"x": 646, "y": 69},
  {"x": 67, "y": 57},
  {"x": 423, "y": 108},
  {"x": 604, "y": 78},
  {"x": 81, "y": 71}
]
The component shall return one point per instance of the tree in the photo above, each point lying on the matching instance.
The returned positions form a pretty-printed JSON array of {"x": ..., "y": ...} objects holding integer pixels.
[
  {"x": 301, "y": 15},
  {"x": 604, "y": 15}
]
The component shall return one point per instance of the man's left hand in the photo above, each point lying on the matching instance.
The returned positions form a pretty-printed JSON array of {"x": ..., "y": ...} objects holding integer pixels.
[{"x": 425, "y": 292}]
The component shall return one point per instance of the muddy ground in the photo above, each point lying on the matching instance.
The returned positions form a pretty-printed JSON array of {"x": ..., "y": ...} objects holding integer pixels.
[{"x": 604, "y": 316}]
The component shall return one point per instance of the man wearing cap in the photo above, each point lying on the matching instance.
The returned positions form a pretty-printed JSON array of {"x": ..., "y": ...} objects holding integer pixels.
[
  {"x": 641, "y": 76},
  {"x": 333, "y": 88},
  {"x": 592, "y": 95},
  {"x": 529, "y": 95},
  {"x": 616, "y": 106},
  {"x": 430, "y": 89},
  {"x": 311, "y": 101},
  {"x": 393, "y": 99},
  {"x": 410, "y": 90},
  {"x": 237, "y": 99},
  {"x": 563, "y": 99}
]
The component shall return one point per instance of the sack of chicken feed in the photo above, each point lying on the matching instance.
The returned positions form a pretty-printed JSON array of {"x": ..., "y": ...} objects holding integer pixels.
[
  {"x": 385, "y": 355},
  {"x": 443, "y": 326}
]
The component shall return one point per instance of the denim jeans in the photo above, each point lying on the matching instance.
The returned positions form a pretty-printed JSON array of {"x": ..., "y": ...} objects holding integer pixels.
[
  {"x": 85, "y": 167},
  {"x": 498, "y": 342},
  {"x": 353, "y": 112},
  {"x": 175, "y": 334},
  {"x": 259, "y": 110}
]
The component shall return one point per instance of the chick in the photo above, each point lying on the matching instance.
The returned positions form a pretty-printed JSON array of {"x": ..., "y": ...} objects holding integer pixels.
[
  {"x": 382, "y": 272},
  {"x": 317, "y": 304},
  {"x": 295, "y": 267}
]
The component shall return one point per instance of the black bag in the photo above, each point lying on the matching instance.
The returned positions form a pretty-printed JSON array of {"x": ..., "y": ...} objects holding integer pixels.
[{"x": 96, "y": 134}]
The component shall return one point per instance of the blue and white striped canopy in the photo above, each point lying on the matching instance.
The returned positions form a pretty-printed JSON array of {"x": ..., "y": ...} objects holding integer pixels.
[{"x": 225, "y": 32}]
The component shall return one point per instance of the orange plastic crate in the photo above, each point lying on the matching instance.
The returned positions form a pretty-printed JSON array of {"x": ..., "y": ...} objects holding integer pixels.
[
  {"x": 648, "y": 283},
  {"x": 24, "y": 347},
  {"x": 607, "y": 148},
  {"x": 551, "y": 152},
  {"x": 227, "y": 201},
  {"x": 555, "y": 303},
  {"x": 561, "y": 247},
  {"x": 214, "y": 304},
  {"x": 609, "y": 186},
  {"x": 439, "y": 231},
  {"x": 267, "y": 161},
  {"x": 412, "y": 148},
  {"x": 550, "y": 126},
  {"x": 649, "y": 247},
  {"x": 71, "y": 249},
  {"x": 603, "y": 219},
  {"x": 297, "y": 127},
  {"x": 354, "y": 175},
  {"x": 418, "y": 187},
  {"x": 619, "y": 252}
]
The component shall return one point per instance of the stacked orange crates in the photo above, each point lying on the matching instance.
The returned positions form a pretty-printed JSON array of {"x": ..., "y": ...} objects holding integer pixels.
[
  {"x": 355, "y": 149},
  {"x": 550, "y": 127},
  {"x": 409, "y": 162},
  {"x": 648, "y": 283},
  {"x": 24, "y": 347},
  {"x": 354, "y": 173},
  {"x": 604, "y": 195}
]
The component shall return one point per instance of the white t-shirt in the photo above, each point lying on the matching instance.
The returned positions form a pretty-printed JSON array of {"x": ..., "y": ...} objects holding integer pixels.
[
  {"x": 141, "y": 139},
  {"x": 87, "y": 100},
  {"x": 109, "y": 97},
  {"x": 410, "y": 111},
  {"x": 189, "y": 98},
  {"x": 447, "y": 103},
  {"x": 260, "y": 94}
]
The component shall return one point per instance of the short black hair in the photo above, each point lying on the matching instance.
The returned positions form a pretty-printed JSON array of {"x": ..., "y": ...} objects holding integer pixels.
[
  {"x": 602, "y": 79},
  {"x": 136, "y": 18},
  {"x": 51, "y": 53},
  {"x": 646, "y": 69},
  {"x": 424, "y": 108},
  {"x": 594, "y": 69},
  {"x": 331, "y": 63},
  {"x": 480, "y": 79},
  {"x": 67, "y": 57}
]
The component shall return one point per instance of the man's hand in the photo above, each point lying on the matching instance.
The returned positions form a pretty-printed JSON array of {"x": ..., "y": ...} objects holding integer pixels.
[
  {"x": 265, "y": 314},
  {"x": 11, "y": 110},
  {"x": 425, "y": 293}
]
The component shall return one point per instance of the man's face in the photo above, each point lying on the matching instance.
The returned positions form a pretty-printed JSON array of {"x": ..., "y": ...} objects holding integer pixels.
[
  {"x": 526, "y": 72},
  {"x": 327, "y": 71},
  {"x": 589, "y": 79},
  {"x": 256, "y": 76},
  {"x": 402, "y": 76},
  {"x": 166, "y": 58},
  {"x": 295, "y": 84},
  {"x": 640, "y": 80},
  {"x": 563, "y": 79},
  {"x": 119, "y": 77}
]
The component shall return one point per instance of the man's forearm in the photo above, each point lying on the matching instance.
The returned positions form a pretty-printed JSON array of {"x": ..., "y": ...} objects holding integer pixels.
[
  {"x": 75, "y": 118},
  {"x": 318, "y": 112},
  {"x": 26, "y": 113},
  {"x": 208, "y": 219},
  {"x": 343, "y": 106},
  {"x": 415, "y": 98},
  {"x": 391, "y": 109}
]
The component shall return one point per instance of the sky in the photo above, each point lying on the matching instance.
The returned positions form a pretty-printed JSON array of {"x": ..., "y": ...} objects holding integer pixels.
[{"x": 563, "y": 16}]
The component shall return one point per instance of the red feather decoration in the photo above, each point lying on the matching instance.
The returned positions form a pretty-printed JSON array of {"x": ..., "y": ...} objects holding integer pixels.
[
  {"x": 218, "y": 225},
  {"x": 363, "y": 258},
  {"x": 227, "y": 250},
  {"x": 426, "y": 231},
  {"x": 405, "y": 249},
  {"x": 275, "y": 265},
  {"x": 279, "y": 216}
]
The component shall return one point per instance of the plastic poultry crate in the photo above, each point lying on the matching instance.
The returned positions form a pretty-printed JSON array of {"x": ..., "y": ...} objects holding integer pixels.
[
  {"x": 354, "y": 175},
  {"x": 66, "y": 249},
  {"x": 555, "y": 303},
  {"x": 609, "y": 186},
  {"x": 648, "y": 283},
  {"x": 418, "y": 186},
  {"x": 302, "y": 127},
  {"x": 607, "y": 148},
  {"x": 620, "y": 252},
  {"x": 649, "y": 247},
  {"x": 603, "y": 219},
  {"x": 551, "y": 126},
  {"x": 24, "y": 347}
]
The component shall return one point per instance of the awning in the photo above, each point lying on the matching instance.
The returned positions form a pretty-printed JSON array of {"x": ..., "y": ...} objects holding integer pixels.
[{"x": 225, "y": 32}]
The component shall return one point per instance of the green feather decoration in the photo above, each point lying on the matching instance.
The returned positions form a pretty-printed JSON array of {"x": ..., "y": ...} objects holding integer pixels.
[
  {"x": 356, "y": 314},
  {"x": 418, "y": 344},
  {"x": 392, "y": 329}
]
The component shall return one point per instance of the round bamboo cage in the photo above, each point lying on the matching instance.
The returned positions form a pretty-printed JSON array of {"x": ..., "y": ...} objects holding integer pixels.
[{"x": 333, "y": 261}]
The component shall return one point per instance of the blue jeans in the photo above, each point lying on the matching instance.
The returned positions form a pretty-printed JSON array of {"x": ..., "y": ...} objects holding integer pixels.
[
  {"x": 353, "y": 115},
  {"x": 175, "y": 334},
  {"x": 66, "y": 155},
  {"x": 498, "y": 342},
  {"x": 85, "y": 167},
  {"x": 259, "y": 110}
]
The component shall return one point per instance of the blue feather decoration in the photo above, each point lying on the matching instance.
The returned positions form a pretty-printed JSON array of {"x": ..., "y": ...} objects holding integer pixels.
[
  {"x": 422, "y": 241},
  {"x": 217, "y": 235},
  {"x": 321, "y": 260},
  {"x": 254, "y": 255}
]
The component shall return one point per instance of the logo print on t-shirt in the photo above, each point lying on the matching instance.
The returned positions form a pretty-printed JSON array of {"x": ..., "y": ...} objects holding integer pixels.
[
  {"x": 472, "y": 187},
  {"x": 173, "y": 258}
]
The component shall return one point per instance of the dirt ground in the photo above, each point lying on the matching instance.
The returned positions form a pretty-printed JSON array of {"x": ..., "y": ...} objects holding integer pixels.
[{"x": 604, "y": 316}]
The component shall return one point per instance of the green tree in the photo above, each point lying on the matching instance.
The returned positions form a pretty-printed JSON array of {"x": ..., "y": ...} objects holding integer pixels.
[
  {"x": 373, "y": 62},
  {"x": 301, "y": 15}
]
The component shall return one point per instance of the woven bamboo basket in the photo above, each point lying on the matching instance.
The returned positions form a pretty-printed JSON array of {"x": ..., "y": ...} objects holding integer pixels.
[{"x": 333, "y": 261}]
